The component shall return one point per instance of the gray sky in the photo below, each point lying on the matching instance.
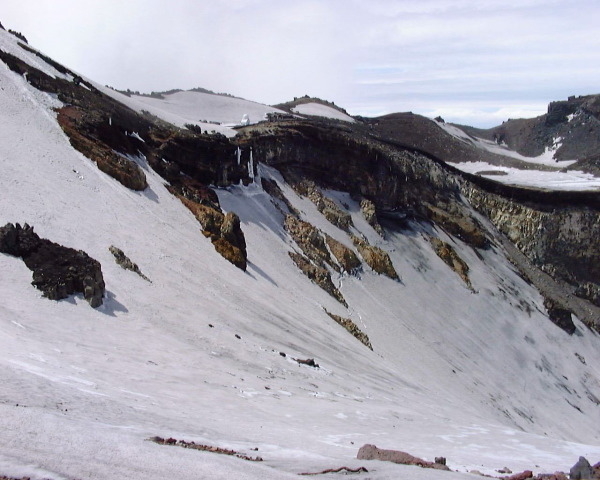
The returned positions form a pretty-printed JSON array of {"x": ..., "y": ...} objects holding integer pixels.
[{"x": 477, "y": 62}]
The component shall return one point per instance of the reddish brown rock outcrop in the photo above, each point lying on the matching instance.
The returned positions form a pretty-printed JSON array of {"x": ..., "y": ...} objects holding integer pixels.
[
  {"x": 371, "y": 452},
  {"x": 451, "y": 258},
  {"x": 125, "y": 171},
  {"x": 318, "y": 275},
  {"x": 376, "y": 258},
  {"x": 224, "y": 231}
]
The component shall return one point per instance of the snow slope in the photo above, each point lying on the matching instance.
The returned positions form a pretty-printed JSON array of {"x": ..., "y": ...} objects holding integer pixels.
[
  {"x": 197, "y": 108},
  {"x": 530, "y": 177},
  {"x": 481, "y": 377},
  {"x": 320, "y": 110}
]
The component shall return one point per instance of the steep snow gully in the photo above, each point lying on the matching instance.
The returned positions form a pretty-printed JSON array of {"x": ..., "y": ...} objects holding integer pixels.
[{"x": 206, "y": 352}]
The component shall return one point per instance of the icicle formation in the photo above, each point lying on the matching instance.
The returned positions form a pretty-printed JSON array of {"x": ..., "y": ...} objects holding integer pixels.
[{"x": 251, "y": 166}]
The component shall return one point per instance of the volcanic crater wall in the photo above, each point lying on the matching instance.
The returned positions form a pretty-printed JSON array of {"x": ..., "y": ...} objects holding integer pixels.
[{"x": 557, "y": 231}]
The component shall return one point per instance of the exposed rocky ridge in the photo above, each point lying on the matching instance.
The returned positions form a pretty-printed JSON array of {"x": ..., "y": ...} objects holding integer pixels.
[
  {"x": 325, "y": 205},
  {"x": 375, "y": 257},
  {"x": 117, "y": 166},
  {"x": 310, "y": 241},
  {"x": 345, "y": 257},
  {"x": 223, "y": 230},
  {"x": 108, "y": 132},
  {"x": 125, "y": 262},
  {"x": 576, "y": 122},
  {"x": 58, "y": 271},
  {"x": 562, "y": 241},
  {"x": 419, "y": 133},
  {"x": 426, "y": 188},
  {"x": 452, "y": 259},
  {"x": 369, "y": 211},
  {"x": 318, "y": 275},
  {"x": 352, "y": 329}
]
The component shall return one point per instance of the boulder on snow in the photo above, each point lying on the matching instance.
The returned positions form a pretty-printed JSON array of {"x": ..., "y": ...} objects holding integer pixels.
[
  {"x": 57, "y": 271},
  {"x": 371, "y": 452},
  {"x": 125, "y": 262},
  {"x": 520, "y": 476},
  {"x": 581, "y": 470}
]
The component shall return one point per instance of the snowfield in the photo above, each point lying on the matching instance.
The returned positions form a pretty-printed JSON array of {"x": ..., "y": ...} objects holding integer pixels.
[
  {"x": 197, "y": 108},
  {"x": 481, "y": 377},
  {"x": 320, "y": 110},
  {"x": 531, "y": 177}
]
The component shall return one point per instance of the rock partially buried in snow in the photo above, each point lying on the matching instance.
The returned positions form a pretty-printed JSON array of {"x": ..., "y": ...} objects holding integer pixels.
[
  {"x": 57, "y": 271},
  {"x": 371, "y": 452}
]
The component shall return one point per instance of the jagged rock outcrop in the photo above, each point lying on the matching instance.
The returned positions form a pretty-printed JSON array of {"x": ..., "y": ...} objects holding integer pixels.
[
  {"x": 271, "y": 187},
  {"x": 58, "y": 271},
  {"x": 371, "y": 452},
  {"x": 378, "y": 259},
  {"x": 117, "y": 166},
  {"x": 559, "y": 239},
  {"x": 353, "y": 329},
  {"x": 557, "y": 231},
  {"x": 318, "y": 275},
  {"x": 447, "y": 253},
  {"x": 369, "y": 211},
  {"x": 310, "y": 241},
  {"x": 124, "y": 262},
  {"x": 457, "y": 223},
  {"x": 346, "y": 258},
  {"x": 224, "y": 231},
  {"x": 561, "y": 316},
  {"x": 330, "y": 210}
]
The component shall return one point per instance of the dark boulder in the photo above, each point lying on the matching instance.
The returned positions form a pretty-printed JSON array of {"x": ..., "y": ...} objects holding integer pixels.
[
  {"x": 560, "y": 316},
  {"x": 58, "y": 271},
  {"x": 581, "y": 470}
]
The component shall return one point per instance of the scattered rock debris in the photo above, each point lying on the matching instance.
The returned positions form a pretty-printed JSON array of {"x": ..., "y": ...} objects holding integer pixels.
[
  {"x": 352, "y": 328},
  {"x": 204, "y": 448},
  {"x": 337, "y": 470}
]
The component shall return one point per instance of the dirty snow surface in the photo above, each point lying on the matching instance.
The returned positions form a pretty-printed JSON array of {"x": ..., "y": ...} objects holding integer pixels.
[
  {"x": 532, "y": 175},
  {"x": 320, "y": 110},
  {"x": 480, "y": 377}
]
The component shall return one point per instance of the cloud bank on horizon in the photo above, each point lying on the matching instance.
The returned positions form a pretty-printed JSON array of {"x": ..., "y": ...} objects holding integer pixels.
[{"x": 472, "y": 62}]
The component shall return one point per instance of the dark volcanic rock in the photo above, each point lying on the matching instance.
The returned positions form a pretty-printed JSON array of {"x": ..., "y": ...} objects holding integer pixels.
[
  {"x": 582, "y": 470},
  {"x": 117, "y": 166},
  {"x": 57, "y": 271},
  {"x": 560, "y": 316},
  {"x": 318, "y": 275}
]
